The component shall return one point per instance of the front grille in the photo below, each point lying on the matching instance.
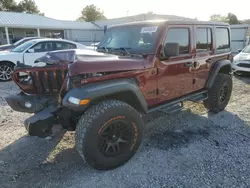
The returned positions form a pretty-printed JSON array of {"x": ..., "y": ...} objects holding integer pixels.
[
  {"x": 244, "y": 65},
  {"x": 48, "y": 81},
  {"x": 44, "y": 81}
]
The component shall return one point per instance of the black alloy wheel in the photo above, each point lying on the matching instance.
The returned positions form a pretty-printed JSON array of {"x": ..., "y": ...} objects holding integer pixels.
[{"x": 115, "y": 138}]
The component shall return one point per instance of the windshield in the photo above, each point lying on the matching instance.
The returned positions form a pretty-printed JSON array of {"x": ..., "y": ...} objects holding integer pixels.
[
  {"x": 23, "y": 46},
  {"x": 134, "y": 38},
  {"x": 247, "y": 49}
]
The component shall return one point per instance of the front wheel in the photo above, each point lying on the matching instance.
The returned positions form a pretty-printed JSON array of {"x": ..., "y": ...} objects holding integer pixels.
[
  {"x": 6, "y": 70},
  {"x": 109, "y": 134},
  {"x": 220, "y": 93}
]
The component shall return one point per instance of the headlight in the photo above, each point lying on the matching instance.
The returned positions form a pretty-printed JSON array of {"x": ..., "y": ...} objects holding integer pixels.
[
  {"x": 77, "y": 101},
  {"x": 74, "y": 100}
]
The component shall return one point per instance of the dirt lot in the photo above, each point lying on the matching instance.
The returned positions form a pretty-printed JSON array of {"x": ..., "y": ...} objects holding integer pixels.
[{"x": 187, "y": 149}]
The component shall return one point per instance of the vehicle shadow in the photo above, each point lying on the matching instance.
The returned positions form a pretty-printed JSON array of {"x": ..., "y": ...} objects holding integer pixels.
[
  {"x": 24, "y": 156},
  {"x": 24, "y": 166}
]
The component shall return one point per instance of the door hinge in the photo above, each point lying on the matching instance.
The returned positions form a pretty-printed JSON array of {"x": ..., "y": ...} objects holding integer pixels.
[
  {"x": 194, "y": 80},
  {"x": 157, "y": 91}
]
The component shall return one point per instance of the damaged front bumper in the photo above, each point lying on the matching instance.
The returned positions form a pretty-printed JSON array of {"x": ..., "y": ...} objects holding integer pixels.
[
  {"x": 41, "y": 123},
  {"x": 44, "y": 109},
  {"x": 29, "y": 103}
]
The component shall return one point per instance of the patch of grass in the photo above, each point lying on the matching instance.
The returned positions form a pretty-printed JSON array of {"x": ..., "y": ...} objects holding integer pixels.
[
  {"x": 67, "y": 142},
  {"x": 197, "y": 108}
]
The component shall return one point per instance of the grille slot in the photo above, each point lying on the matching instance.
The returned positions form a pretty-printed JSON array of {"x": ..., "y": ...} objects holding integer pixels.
[
  {"x": 48, "y": 82},
  {"x": 244, "y": 65}
]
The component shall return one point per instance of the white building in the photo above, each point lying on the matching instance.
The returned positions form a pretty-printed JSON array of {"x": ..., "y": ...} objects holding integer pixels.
[{"x": 14, "y": 26}]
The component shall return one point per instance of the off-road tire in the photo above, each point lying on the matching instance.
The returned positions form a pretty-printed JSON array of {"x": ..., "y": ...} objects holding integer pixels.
[
  {"x": 9, "y": 66},
  {"x": 93, "y": 122},
  {"x": 213, "y": 102}
]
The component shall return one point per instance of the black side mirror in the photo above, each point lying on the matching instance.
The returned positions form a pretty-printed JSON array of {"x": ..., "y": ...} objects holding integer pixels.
[
  {"x": 171, "y": 49},
  {"x": 239, "y": 50}
]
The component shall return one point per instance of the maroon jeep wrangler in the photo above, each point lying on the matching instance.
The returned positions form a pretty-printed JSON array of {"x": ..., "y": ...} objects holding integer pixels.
[{"x": 138, "y": 68}]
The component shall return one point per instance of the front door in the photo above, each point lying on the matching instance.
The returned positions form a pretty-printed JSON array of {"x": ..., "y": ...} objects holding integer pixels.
[
  {"x": 175, "y": 75},
  {"x": 39, "y": 50},
  {"x": 204, "y": 55}
]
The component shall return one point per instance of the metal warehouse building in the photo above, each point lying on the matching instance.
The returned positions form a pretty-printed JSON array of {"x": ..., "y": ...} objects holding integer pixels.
[
  {"x": 14, "y": 26},
  {"x": 240, "y": 36}
]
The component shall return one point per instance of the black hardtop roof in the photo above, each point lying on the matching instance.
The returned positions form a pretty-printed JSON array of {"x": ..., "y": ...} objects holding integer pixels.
[{"x": 174, "y": 22}]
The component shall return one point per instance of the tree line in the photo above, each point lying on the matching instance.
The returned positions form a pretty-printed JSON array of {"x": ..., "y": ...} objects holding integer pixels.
[
  {"x": 25, "y": 6},
  {"x": 92, "y": 13},
  {"x": 88, "y": 14},
  {"x": 229, "y": 18}
]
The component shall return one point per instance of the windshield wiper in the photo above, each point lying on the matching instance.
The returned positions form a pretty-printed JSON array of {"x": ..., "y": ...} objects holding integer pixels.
[
  {"x": 125, "y": 49},
  {"x": 105, "y": 48}
]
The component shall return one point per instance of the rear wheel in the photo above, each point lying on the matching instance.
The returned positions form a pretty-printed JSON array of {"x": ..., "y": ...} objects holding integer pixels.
[
  {"x": 6, "y": 70},
  {"x": 109, "y": 134},
  {"x": 220, "y": 93}
]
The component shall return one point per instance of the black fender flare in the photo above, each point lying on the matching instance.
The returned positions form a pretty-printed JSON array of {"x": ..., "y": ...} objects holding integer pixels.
[
  {"x": 101, "y": 89},
  {"x": 216, "y": 69}
]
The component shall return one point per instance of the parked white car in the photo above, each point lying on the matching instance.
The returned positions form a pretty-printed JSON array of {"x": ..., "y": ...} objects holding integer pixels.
[
  {"x": 241, "y": 61},
  {"x": 93, "y": 46},
  {"x": 31, "y": 50}
]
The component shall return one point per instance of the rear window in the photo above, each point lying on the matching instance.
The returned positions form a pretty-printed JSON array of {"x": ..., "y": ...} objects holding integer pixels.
[
  {"x": 203, "y": 39},
  {"x": 222, "y": 38}
]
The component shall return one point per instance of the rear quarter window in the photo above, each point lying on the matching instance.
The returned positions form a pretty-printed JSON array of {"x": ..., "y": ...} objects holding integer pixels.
[{"x": 222, "y": 38}]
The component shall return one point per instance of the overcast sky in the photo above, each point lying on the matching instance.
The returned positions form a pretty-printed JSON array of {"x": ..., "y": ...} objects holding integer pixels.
[{"x": 70, "y": 9}]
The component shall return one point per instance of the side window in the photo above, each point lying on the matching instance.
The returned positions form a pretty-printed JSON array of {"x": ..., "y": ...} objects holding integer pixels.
[
  {"x": 180, "y": 36},
  {"x": 222, "y": 38},
  {"x": 43, "y": 47},
  {"x": 203, "y": 39},
  {"x": 65, "y": 46}
]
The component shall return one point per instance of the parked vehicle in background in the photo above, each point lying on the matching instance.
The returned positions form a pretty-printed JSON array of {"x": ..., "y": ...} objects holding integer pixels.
[
  {"x": 93, "y": 46},
  {"x": 8, "y": 47},
  {"x": 241, "y": 62},
  {"x": 29, "y": 51},
  {"x": 138, "y": 68}
]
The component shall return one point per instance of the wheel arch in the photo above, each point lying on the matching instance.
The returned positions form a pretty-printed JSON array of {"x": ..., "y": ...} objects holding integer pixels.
[
  {"x": 128, "y": 97},
  {"x": 9, "y": 62},
  {"x": 125, "y": 90},
  {"x": 222, "y": 66}
]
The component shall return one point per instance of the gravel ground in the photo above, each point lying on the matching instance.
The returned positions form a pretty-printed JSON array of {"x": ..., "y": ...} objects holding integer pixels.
[{"x": 187, "y": 149}]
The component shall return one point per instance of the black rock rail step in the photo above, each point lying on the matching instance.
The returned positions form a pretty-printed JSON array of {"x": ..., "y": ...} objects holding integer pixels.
[{"x": 177, "y": 104}]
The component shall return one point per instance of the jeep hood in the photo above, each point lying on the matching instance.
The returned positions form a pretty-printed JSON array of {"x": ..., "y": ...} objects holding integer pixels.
[
  {"x": 101, "y": 62},
  {"x": 89, "y": 61}
]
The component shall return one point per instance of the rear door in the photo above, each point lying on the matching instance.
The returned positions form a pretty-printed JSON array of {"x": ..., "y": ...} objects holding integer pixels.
[
  {"x": 204, "y": 54},
  {"x": 212, "y": 45},
  {"x": 175, "y": 75}
]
